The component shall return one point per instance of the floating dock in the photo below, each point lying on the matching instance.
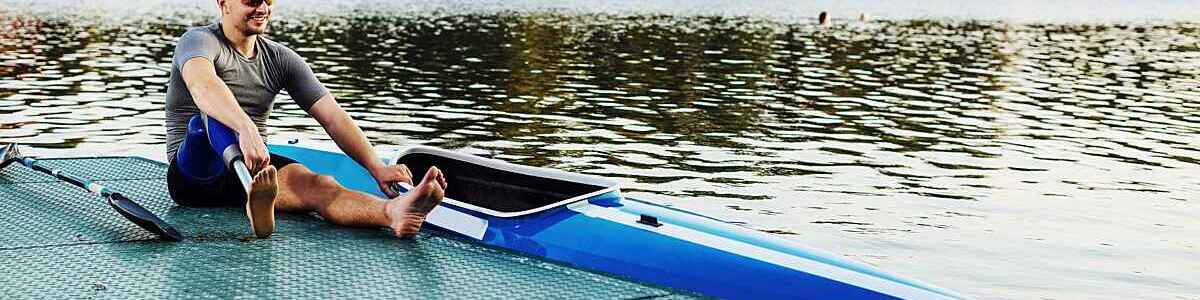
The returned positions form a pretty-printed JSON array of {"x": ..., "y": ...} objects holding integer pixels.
[{"x": 58, "y": 241}]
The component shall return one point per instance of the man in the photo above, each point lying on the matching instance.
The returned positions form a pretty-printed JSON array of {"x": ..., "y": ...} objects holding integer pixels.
[{"x": 231, "y": 73}]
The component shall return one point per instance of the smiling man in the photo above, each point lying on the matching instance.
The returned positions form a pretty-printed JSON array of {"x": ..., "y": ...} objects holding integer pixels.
[{"x": 230, "y": 72}]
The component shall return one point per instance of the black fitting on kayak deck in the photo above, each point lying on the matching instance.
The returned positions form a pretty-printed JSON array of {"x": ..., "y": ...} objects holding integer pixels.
[{"x": 649, "y": 220}]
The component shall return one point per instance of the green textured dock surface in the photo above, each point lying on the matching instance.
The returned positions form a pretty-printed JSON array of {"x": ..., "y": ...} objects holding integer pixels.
[{"x": 58, "y": 242}]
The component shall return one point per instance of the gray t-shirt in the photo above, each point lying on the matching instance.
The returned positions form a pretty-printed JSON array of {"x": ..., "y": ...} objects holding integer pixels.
[{"x": 254, "y": 81}]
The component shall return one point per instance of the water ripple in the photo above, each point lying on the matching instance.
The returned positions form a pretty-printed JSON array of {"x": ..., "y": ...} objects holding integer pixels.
[{"x": 934, "y": 130}]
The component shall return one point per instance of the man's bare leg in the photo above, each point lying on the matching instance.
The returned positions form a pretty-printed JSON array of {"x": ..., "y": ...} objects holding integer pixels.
[
  {"x": 260, "y": 205},
  {"x": 301, "y": 190}
]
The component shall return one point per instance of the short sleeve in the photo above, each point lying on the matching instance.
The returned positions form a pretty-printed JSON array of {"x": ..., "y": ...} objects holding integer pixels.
[
  {"x": 300, "y": 81},
  {"x": 196, "y": 43}
]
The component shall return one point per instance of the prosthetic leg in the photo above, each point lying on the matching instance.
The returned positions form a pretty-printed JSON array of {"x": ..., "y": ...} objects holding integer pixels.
[{"x": 210, "y": 149}]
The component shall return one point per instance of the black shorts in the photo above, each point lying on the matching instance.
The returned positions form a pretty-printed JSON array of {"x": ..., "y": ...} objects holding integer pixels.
[{"x": 225, "y": 191}]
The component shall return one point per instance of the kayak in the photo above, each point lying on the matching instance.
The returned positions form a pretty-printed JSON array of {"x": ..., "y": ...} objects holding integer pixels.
[{"x": 584, "y": 221}]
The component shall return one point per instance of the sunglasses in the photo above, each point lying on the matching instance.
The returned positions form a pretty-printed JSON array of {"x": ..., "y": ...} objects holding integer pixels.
[{"x": 256, "y": 3}]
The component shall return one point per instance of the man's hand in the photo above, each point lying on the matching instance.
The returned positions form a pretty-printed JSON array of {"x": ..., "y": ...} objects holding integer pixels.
[
  {"x": 392, "y": 174},
  {"x": 254, "y": 151}
]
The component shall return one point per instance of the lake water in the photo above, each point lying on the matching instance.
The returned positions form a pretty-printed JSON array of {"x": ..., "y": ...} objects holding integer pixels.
[{"x": 1022, "y": 150}]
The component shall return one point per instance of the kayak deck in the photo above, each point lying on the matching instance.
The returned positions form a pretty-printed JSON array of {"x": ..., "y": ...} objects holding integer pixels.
[{"x": 59, "y": 241}]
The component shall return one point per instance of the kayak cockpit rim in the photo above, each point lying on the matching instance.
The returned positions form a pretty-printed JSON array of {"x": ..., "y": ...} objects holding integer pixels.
[{"x": 501, "y": 189}]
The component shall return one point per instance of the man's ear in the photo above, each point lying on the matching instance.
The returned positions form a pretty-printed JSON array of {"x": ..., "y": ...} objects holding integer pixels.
[{"x": 221, "y": 5}]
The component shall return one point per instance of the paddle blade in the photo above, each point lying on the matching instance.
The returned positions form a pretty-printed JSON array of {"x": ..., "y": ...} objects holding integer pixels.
[
  {"x": 143, "y": 218},
  {"x": 9, "y": 154}
]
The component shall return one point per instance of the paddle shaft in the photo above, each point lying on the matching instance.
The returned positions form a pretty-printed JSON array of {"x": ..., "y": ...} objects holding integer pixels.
[{"x": 95, "y": 188}]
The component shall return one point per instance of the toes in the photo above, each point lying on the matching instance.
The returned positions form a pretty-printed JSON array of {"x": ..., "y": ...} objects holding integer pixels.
[
  {"x": 438, "y": 177},
  {"x": 265, "y": 174},
  {"x": 434, "y": 178},
  {"x": 432, "y": 173}
]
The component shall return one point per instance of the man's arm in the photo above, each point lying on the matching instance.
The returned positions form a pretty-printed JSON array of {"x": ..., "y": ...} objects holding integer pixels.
[
  {"x": 350, "y": 138},
  {"x": 215, "y": 99}
]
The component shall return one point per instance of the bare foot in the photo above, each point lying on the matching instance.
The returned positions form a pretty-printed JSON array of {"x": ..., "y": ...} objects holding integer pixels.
[
  {"x": 407, "y": 212},
  {"x": 260, "y": 205}
]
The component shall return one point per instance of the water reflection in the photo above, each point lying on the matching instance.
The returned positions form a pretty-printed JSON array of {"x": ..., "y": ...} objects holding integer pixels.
[
  {"x": 938, "y": 107},
  {"x": 881, "y": 128}
]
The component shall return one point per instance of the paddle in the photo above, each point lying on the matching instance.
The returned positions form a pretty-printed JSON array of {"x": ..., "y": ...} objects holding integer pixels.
[{"x": 126, "y": 207}]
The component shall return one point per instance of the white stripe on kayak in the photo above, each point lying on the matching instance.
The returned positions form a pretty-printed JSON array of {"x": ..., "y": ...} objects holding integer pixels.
[
  {"x": 457, "y": 221},
  {"x": 802, "y": 264}
]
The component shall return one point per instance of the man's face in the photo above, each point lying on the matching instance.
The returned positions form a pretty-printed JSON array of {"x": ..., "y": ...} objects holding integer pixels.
[{"x": 248, "y": 16}]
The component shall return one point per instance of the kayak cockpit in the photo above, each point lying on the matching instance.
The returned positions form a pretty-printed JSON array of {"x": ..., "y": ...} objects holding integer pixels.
[{"x": 499, "y": 188}]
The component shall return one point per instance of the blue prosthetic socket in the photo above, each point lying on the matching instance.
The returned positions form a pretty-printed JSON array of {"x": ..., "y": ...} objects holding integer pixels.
[
  {"x": 224, "y": 141},
  {"x": 207, "y": 150},
  {"x": 196, "y": 159}
]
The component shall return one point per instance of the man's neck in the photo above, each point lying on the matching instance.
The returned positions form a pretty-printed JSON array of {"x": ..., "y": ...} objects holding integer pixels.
[{"x": 243, "y": 43}]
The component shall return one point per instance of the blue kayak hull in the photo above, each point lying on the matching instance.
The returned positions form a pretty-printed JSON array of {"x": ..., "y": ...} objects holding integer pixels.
[{"x": 608, "y": 233}]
